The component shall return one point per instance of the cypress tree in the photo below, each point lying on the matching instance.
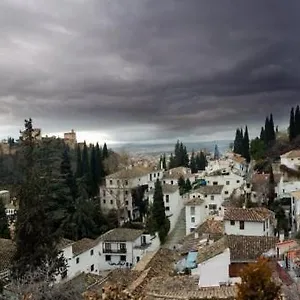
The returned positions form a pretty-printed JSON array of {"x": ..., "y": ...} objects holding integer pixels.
[
  {"x": 201, "y": 161},
  {"x": 4, "y": 230},
  {"x": 236, "y": 141},
  {"x": 297, "y": 121},
  {"x": 100, "y": 165},
  {"x": 94, "y": 170},
  {"x": 171, "y": 162},
  {"x": 105, "y": 151},
  {"x": 267, "y": 131},
  {"x": 164, "y": 162},
  {"x": 262, "y": 134},
  {"x": 292, "y": 128},
  {"x": 271, "y": 129},
  {"x": 188, "y": 185},
  {"x": 79, "y": 172},
  {"x": 193, "y": 163},
  {"x": 271, "y": 192},
  {"x": 181, "y": 185},
  {"x": 85, "y": 160},
  {"x": 246, "y": 146},
  {"x": 216, "y": 153},
  {"x": 36, "y": 240}
]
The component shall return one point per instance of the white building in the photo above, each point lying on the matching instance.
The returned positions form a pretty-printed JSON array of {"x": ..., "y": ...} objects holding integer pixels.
[
  {"x": 291, "y": 159},
  {"x": 213, "y": 197},
  {"x": 116, "y": 193},
  {"x": 195, "y": 214},
  {"x": 221, "y": 262},
  {"x": 5, "y": 196},
  {"x": 295, "y": 210},
  {"x": 287, "y": 185},
  {"x": 171, "y": 176},
  {"x": 257, "y": 221},
  {"x": 172, "y": 200},
  {"x": 229, "y": 180},
  {"x": 238, "y": 164},
  {"x": 117, "y": 248}
]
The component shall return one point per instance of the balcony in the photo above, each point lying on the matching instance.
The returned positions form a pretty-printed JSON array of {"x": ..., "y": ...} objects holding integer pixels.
[{"x": 111, "y": 251}]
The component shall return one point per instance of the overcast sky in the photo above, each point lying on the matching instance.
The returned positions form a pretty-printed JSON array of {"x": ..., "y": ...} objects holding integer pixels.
[{"x": 133, "y": 70}]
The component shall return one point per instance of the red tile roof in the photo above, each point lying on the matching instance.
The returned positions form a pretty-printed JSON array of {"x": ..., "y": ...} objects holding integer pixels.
[{"x": 256, "y": 214}]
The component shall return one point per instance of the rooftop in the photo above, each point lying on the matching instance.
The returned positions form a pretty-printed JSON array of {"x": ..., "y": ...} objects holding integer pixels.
[
  {"x": 121, "y": 235},
  {"x": 186, "y": 287},
  {"x": 175, "y": 173},
  {"x": 238, "y": 158},
  {"x": 132, "y": 172},
  {"x": 212, "y": 250},
  {"x": 167, "y": 189},
  {"x": 296, "y": 195},
  {"x": 194, "y": 201},
  {"x": 83, "y": 245},
  {"x": 291, "y": 154},
  {"x": 209, "y": 189},
  {"x": 256, "y": 214},
  {"x": 259, "y": 179}
]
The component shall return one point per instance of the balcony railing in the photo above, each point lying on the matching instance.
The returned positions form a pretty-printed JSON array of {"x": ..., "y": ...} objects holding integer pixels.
[{"x": 108, "y": 250}]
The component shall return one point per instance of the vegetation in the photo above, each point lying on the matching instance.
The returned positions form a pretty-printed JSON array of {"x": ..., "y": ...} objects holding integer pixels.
[
  {"x": 241, "y": 143},
  {"x": 257, "y": 282},
  {"x": 157, "y": 219},
  {"x": 184, "y": 185},
  {"x": 180, "y": 158},
  {"x": 4, "y": 230}
]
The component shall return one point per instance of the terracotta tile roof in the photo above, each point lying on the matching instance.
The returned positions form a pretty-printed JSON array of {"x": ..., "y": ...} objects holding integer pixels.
[
  {"x": 212, "y": 250},
  {"x": 292, "y": 154},
  {"x": 185, "y": 287},
  {"x": 238, "y": 158},
  {"x": 65, "y": 243},
  {"x": 167, "y": 189},
  {"x": 296, "y": 195},
  {"x": 121, "y": 235},
  {"x": 194, "y": 201},
  {"x": 7, "y": 250},
  {"x": 83, "y": 245},
  {"x": 249, "y": 248},
  {"x": 213, "y": 229},
  {"x": 259, "y": 179},
  {"x": 209, "y": 190},
  {"x": 256, "y": 214},
  {"x": 134, "y": 172},
  {"x": 175, "y": 173}
]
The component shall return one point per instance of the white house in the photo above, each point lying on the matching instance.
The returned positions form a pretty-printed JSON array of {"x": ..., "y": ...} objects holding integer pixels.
[
  {"x": 172, "y": 200},
  {"x": 295, "y": 210},
  {"x": 195, "y": 214},
  {"x": 220, "y": 262},
  {"x": 117, "y": 248},
  {"x": 116, "y": 192},
  {"x": 238, "y": 164},
  {"x": 287, "y": 185},
  {"x": 257, "y": 221},
  {"x": 171, "y": 176},
  {"x": 213, "y": 197},
  {"x": 229, "y": 180},
  {"x": 291, "y": 159}
]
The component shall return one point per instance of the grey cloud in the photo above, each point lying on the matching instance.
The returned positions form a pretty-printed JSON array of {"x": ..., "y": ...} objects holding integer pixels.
[{"x": 148, "y": 68}]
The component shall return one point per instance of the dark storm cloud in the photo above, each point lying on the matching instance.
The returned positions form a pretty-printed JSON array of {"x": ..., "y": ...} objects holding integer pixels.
[{"x": 141, "y": 69}]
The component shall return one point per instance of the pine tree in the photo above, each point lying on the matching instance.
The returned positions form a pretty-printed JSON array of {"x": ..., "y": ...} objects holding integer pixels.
[
  {"x": 162, "y": 224},
  {"x": 4, "y": 230},
  {"x": 246, "y": 146},
  {"x": 36, "y": 239},
  {"x": 193, "y": 164},
  {"x": 292, "y": 128},
  {"x": 297, "y": 121},
  {"x": 79, "y": 172}
]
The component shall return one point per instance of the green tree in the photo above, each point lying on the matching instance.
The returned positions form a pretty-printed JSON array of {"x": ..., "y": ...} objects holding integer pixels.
[
  {"x": 36, "y": 239},
  {"x": 297, "y": 121},
  {"x": 94, "y": 172},
  {"x": 4, "y": 230},
  {"x": 100, "y": 170},
  {"x": 262, "y": 134},
  {"x": 164, "y": 162},
  {"x": 79, "y": 172},
  {"x": 271, "y": 188},
  {"x": 201, "y": 161},
  {"x": 181, "y": 185},
  {"x": 257, "y": 149},
  {"x": 292, "y": 127},
  {"x": 105, "y": 153},
  {"x": 193, "y": 163},
  {"x": 162, "y": 224},
  {"x": 257, "y": 282},
  {"x": 172, "y": 161},
  {"x": 216, "y": 153},
  {"x": 187, "y": 185},
  {"x": 246, "y": 150},
  {"x": 272, "y": 130},
  {"x": 238, "y": 141}
]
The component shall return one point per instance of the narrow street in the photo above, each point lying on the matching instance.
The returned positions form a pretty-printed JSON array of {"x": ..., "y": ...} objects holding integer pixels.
[{"x": 177, "y": 233}]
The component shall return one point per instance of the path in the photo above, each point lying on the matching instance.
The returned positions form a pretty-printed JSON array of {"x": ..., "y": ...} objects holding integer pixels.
[{"x": 177, "y": 233}]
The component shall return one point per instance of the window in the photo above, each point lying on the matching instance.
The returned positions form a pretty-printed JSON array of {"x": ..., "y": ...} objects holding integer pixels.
[
  {"x": 167, "y": 198},
  {"x": 237, "y": 181},
  {"x": 212, "y": 197},
  {"x": 104, "y": 201},
  {"x": 212, "y": 206},
  {"x": 192, "y": 229},
  {"x": 118, "y": 182},
  {"x": 104, "y": 193},
  {"x": 264, "y": 226},
  {"x": 164, "y": 182},
  {"x": 126, "y": 192},
  {"x": 205, "y": 206},
  {"x": 267, "y": 224},
  {"x": 167, "y": 208},
  {"x": 137, "y": 259},
  {"x": 227, "y": 182},
  {"x": 92, "y": 268},
  {"x": 110, "y": 182},
  {"x": 126, "y": 182},
  {"x": 111, "y": 202},
  {"x": 194, "y": 196},
  {"x": 126, "y": 202},
  {"x": 215, "y": 182},
  {"x": 192, "y": 219},
  {"x": 107, "y": 246},
  {"x": 92, "y": 252},
  {"x": 154, "y": 175},
  {"x": 226, "y": 192},
  {"x": 242, "y": 225},
  {"x": 171, "y": 181},
  {"x": 123, "y": 246},
  {"x": 157, "y": 174},
  {"x": 192, "y": 210},
  {"x": 205, "y": 196},
  {"x": 232, "y": 222},
  {"x": 77, "y": 260},
  {"x": 107, "y": 257},
  {"x": 123, "y": 258}
]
